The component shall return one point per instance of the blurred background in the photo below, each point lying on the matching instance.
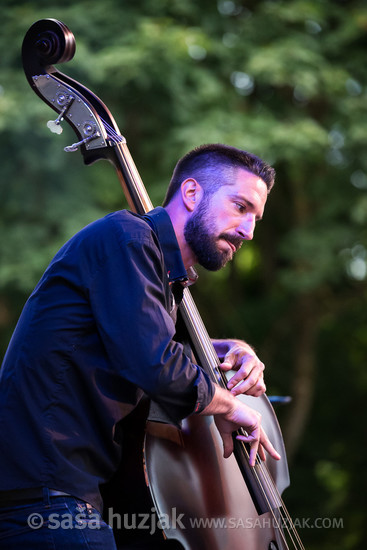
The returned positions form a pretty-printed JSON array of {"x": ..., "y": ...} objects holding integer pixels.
[{"x": 285, "y": 80}]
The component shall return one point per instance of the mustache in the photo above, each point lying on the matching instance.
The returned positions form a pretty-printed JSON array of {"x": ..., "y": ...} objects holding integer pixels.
[{"x": 236, "y": 241}]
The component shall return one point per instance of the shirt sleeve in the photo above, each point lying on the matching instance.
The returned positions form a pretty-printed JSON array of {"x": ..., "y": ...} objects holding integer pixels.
[{"x": 129, "y": 298}]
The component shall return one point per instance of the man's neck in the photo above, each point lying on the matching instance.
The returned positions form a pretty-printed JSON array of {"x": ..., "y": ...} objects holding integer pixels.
[{"x": 178, "y": 221}]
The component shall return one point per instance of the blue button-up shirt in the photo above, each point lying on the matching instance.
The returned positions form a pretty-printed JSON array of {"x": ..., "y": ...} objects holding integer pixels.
[{"x": 94, "y": 336}]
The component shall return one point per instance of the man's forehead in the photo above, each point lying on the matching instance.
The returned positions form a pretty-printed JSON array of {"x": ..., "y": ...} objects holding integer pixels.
[{"x": 245, "y": 181}]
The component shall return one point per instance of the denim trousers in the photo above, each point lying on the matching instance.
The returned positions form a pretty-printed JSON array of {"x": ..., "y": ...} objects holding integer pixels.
[{"x": 54, "y": 523}]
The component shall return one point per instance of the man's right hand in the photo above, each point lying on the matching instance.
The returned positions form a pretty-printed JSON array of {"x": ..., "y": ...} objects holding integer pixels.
[{"x": 230, "y": 414}]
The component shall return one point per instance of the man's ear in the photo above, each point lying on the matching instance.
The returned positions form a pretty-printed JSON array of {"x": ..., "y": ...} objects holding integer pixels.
[{"x": 192, "y": 193}]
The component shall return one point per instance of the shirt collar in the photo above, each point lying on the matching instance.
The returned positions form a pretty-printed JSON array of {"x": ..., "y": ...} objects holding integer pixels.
[{"x": 161, "y": 223}]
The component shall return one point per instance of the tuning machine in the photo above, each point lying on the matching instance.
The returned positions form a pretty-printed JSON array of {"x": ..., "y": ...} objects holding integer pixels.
[
  {"x": 90, "y": 131},
  {"x": 75, "y": 110},
  {"x": 65, "y": 101}
]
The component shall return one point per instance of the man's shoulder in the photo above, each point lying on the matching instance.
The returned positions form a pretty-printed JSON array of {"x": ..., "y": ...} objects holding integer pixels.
[
  {"x": 123, "y": 223},
  {"x": 104, "y": 236}
]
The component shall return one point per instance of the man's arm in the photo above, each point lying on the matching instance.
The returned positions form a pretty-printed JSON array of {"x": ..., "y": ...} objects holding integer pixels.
[
  {"x": 239, "y": 356},
  {"x": 230, "y": 414},
  {"x": 129, "y": 299}
]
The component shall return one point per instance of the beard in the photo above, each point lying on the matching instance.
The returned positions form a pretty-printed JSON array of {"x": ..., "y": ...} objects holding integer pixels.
[{"x": 198, "y": 232}]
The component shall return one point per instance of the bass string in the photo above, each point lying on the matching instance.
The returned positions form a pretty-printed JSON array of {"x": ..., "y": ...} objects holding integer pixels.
[
  {"x": 286, "y": 520},
  {"x": 262, "y": 476},
  {"x": 112, "y": 133},
  {"x": 202, "y": 339}
]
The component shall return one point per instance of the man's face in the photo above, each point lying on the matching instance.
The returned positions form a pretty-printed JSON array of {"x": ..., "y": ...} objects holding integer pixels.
[{"x": 224, "y": 219}]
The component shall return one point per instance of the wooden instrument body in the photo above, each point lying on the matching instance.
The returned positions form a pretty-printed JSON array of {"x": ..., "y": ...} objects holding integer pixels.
[{"x": 214, "y": 504}]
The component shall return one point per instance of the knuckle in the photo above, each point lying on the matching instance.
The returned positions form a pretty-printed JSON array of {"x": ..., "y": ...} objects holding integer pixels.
[{"x": 244, "y": 372}]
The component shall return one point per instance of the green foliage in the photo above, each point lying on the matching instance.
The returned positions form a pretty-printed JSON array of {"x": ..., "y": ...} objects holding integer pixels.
[{"x": 284, "y": 79}]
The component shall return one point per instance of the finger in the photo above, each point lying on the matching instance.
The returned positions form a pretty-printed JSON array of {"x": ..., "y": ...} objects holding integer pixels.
[
  {"x": 265, "y": 442},
  {"x": 250, "y": 439},
  {"x": 253, "y": 383},
  {"x": 226, "y": 365},
  {"x": 261, "y": 453},
  {"x": 241, "y": 375},
  {"x": 253, "y": 442},
  {"x": 253, "y": 453},
  {"x": 255, "y": 391},
  {"x": 227, "y": 444},
  {"x": 230, "y": 360},
  {"x": 251, "y": 370}
]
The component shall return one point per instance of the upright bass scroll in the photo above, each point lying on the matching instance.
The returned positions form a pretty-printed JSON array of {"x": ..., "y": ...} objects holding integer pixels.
[
  {"x": 194, "y": 455},
  {"x": 48, "y": 42}
]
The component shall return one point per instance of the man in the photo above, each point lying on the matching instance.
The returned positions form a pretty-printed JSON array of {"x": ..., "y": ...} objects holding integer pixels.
[{"x": 97, "y": 334}]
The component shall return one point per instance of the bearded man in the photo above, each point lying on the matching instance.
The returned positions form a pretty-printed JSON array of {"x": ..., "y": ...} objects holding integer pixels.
[{"x": 96, "y": 336}]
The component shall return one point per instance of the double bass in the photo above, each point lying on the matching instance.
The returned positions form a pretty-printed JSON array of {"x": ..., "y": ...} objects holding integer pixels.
[{"x": 221, "y": 503}]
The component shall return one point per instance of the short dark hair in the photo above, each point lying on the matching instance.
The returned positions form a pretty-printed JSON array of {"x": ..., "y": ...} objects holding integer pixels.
[{"x": 209, "y": 163}]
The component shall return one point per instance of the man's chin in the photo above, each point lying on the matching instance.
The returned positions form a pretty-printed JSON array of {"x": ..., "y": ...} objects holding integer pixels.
[{"x": 216, "y": 264}]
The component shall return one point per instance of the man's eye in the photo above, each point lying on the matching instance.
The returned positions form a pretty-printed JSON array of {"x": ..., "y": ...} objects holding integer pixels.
[{"x": 240, "y": 207}]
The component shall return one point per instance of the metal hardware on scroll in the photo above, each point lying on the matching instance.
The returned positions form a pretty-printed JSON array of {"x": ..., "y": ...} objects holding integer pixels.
[
  {"x": 63, "y": 100},
  {"x": 75, "y": 110}
]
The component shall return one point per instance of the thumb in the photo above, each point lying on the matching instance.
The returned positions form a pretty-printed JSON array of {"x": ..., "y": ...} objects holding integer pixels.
[
  {"x": 227, "y": 444},
  {"x": 229, "y": 361}
]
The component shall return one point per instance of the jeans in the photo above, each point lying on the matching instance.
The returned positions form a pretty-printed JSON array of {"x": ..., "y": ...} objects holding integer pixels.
[{"x": 54, "y": 523}]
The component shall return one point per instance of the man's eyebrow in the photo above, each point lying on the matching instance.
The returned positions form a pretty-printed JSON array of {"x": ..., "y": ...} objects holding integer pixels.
[{"x": 247, "y": 202}]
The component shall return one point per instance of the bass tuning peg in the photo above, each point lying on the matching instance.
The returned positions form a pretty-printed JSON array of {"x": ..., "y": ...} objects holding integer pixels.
[
  {"x": 63, "y": 100},
  {"x": 90, "y": 132}
]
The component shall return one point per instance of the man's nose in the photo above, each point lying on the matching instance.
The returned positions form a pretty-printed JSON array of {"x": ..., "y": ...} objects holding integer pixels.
[{"x": 247, "y": 227}]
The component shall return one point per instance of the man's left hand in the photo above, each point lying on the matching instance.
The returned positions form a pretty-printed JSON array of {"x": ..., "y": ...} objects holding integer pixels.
[{"x": 239, "y": 356}]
